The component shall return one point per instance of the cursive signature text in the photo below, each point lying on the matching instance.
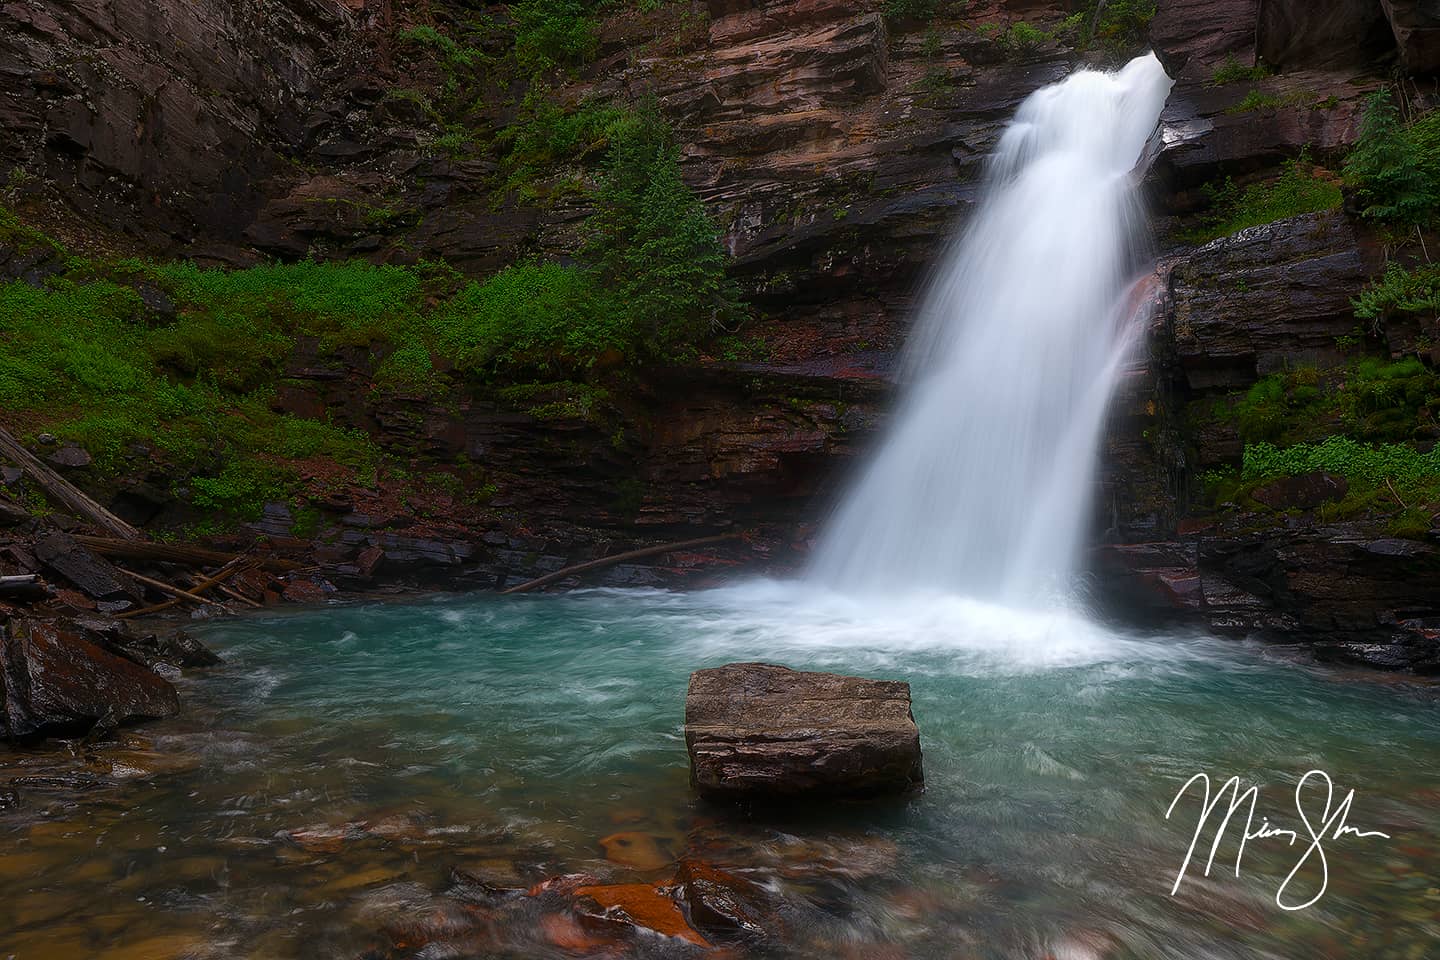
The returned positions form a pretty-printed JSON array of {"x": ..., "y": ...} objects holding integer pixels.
[{"x": 1331, "y": 824}]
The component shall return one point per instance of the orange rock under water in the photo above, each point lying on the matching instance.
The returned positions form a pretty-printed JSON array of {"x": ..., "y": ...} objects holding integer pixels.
[
  {"x": 644, "y": 906},
  {"x": 635, "y": 849}
]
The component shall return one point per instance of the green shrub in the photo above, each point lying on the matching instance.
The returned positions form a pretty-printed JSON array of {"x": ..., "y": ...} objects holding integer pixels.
[
  {"x": 453, "y": 56},
  {"x": 1256, "y": 100},
  {"x": 544, "y": 135},
  {"x": 1022, "y": 38},
  {"x": 1233, "y": 71},
  {"x": 1121, "y": 26},
  {"x": 1400, "y": 291},
  {"x": 1392, "y": 172},
  {"x": 541, "y": 318},
  {"x": 1373, "y": 464},
  {"x": 1298, "y": 190},
  {"x": 910, "y": 9},
  {"x": 553, "y": 33}
]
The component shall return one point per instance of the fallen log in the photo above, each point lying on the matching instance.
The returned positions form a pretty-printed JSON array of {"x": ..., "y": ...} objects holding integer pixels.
[
  {"x": 25, "y": 586},
  {"x": 163, "y": 587},
  {"x": 229, "y": 570},
  {"x": 62, "y": 491},
  {"x": 144, "y": 551},
  {"x": 620, "y": 558}
]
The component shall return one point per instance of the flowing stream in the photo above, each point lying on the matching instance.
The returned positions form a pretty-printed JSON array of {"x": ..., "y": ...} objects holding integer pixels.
[
  {"x": 983, "y": 484},
  {"x": 322, "y": 785}
]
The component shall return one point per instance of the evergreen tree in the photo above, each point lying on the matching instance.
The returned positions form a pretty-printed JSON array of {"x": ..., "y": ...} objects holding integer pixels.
[
  {"x": 1385, "y": 169},
  {"x": 654, "y": 246}
]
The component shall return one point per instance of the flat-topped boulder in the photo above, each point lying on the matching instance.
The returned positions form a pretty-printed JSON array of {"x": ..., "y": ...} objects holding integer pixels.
[{"x": 761, "y": 731}]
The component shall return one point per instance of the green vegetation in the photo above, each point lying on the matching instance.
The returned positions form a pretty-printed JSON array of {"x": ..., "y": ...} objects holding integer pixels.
[
  {"x": 1395, "y": 170},
  {"x": 83, "y": 357},
  {"x": 1122, "y": 25},
  {"x": 1401, "y": 291},
  {"x": 1023, "y": 39},
  {"x": 1370, "y": 463},
  {"x": 82, "y": 360},
  {"x": 1256, "y": 100},
  {"x": 1370, "y": 400},
  {"x": 545, "y": 135},
  {"x": 655, "y": 250},
  {"x": 553, "y": 33},
  {"x": 1299, "y": 189},
  {"x": 1233, "y": 71},
  {"x": 452, "y": 55},
  {"x": 910, "y": 9}
]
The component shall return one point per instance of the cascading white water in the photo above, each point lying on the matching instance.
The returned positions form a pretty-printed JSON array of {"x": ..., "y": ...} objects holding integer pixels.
[{"x": 983, "y": 484}]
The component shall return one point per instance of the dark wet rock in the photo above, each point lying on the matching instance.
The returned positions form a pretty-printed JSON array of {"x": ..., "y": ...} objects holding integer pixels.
[
  {"x": 304, "y": 590},
  {"x": 1337, "y": 33},
  {"x": 96, "y": 577},
  {"x": 1306, "y": 491},
  {"x": 175, "y": 650},
  {"x": 1334, "y": 588},
  {"x": 721, "y": 903},
  {"x": 56, "y": 682},
  {"x": 12, "y": 514},
  {"x": 71, "y": 456},
  {"x": 1267, "y": 298},
  {"x": 1416, "y": 25},
  {"x": 484, "y": 886},
  {"x": 761, "y": 731},
  {"x": 1203, "y": 31}
]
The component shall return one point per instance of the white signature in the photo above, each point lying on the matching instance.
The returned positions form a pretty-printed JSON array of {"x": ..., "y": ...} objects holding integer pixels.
[{"x": 1332, "y": 825}]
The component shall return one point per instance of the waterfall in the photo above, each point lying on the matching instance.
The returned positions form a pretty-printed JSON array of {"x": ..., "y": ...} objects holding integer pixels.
[{"x": 983, "y": 484}]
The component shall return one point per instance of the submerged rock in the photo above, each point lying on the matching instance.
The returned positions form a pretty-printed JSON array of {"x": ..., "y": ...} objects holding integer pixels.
[
  {"x": 761, "y": 731},
  {"x": 53, "y": 681}
]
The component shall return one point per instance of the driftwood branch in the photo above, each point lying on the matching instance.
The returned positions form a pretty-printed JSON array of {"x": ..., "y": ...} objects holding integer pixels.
[
  {"x": 164, "y": 587},
  {"x": 62, "y": 491},
  {"x": 619, "y": 558},
  {"x": 146, "y": 552},
  {"x": 193, "y": 594},
  {"x": 1403, "y": 504}
]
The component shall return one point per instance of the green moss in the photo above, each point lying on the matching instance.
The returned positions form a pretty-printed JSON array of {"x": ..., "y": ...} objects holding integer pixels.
[
  {"x": 1256, "y": 100},
  {"x": 1371, "y": 400},
  {"x": 1233, "y": 71},
  {"x": 1299, "y": 189}
]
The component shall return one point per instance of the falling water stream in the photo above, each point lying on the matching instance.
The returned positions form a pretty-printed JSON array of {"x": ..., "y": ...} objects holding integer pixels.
[
  {"x": 365, "y": 781},
  {"x": 983, "y": 484}
]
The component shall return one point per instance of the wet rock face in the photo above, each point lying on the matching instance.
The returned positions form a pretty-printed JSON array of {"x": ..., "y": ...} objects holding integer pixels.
[
  {"x": 54, "y": 682},
  {"x": 1337, "y": 33},
  {"x": 1203, "y": 31},
  {"x": 758, "y": 731},
  {"x": 1268, "y": 297},
  {"x": 1416, "y": 24},
  {"x": 168, "y": 111},
  {"x": 1339, "y": 590}
]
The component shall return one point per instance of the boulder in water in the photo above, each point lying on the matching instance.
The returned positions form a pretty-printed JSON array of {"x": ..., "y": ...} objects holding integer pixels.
[
  {"x": 54, "y": 682},
  {"x": 761, "y": 731}
]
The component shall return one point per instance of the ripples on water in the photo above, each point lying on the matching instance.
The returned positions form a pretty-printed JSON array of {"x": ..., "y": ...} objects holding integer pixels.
[{"x": 509, "y": 736}]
